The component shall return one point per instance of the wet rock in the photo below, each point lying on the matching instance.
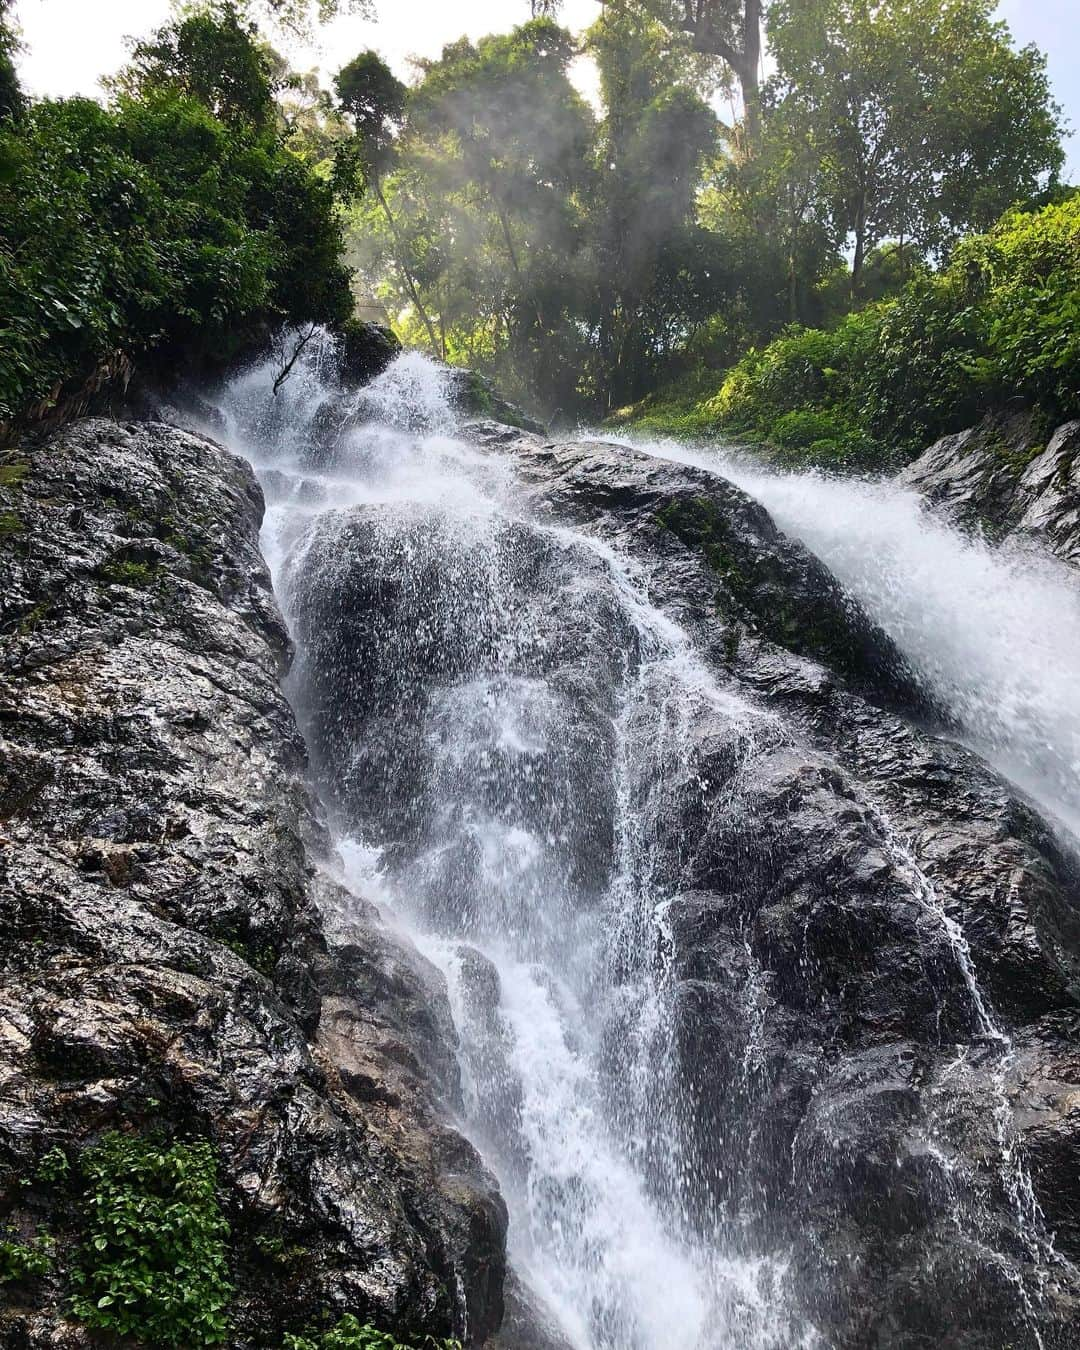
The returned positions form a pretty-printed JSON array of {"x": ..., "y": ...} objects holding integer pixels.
[
  {"x": 169, "y": 958},
  {"x": 438, "y": 689},
  {"x": 863, "y": 920},
  {"x": 1005, "y": 477},
  {"x": 473, "y": 395},
  {"x": 366, "y": 349}
]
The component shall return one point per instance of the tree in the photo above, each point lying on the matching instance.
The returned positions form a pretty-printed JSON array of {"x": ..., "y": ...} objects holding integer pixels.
[
  {"x": 651, "y": 262},
  {"x": 924, "y": 120},
  {"x": 372, "y": 96},
  {"x": 731, "y": 30},
  {"x": 498, "y": 145},
  {"x": 155, "y": 230},
  {"x": 210, "y": 54},
  {"x": 11, "y": 96}
]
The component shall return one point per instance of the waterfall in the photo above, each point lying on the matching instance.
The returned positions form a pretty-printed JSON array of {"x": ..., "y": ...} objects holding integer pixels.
[
  {"x": 994, "y": 633},
  {"x": 537, "y": 879},
  {"x": 522, "y": 760}
]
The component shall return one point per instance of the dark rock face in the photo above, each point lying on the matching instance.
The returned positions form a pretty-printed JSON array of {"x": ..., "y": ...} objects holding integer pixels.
[
  {"x": 1005, "y": 477},
  {"x": 474, "y": 395},
  {"x": 863, "y": 917},
  {"x": 366, "y": 350},
  {"x": 393, "y": 610},
  {"x": 164, "y": 959}
]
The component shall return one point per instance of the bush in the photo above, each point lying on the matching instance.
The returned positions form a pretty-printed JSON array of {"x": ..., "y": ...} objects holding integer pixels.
[
  {"x": 152, "y": 225},
  {"x": 154, "y": 1261},
  {"x": 351, "y": 1334},
  {"x": 21, "y": 1260},
  {"x": 1001, "y": 321}
]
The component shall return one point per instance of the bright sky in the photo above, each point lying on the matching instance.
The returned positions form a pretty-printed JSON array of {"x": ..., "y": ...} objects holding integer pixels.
[{"x": 71, "y": 43}]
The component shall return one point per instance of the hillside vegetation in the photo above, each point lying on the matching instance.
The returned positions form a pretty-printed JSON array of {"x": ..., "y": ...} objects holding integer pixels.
[
  {"x": 1000, "y": 322},
  {"x": 174, "y": 221}
]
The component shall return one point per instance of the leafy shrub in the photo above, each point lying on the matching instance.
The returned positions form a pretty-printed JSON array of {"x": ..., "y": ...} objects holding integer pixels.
[
  {"x": 154, "y": 1262},
  {"x": 25, "y": 1260},
  {"x": 351, "y": 1334},
  {"x": 1003, "y": 319}
]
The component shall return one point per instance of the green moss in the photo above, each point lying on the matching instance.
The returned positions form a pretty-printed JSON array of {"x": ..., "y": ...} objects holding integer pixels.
[
  {"x": 10, "y": 524},
  {"x": 21, "y": 1260},
  {"x": 197, "y": 550},
  {"x": 30, "y": 620},
  {"x": 699, "y": 523},
  {"x": 1017, "y": 458},
  {"x": 262, "y": 956},
  {"x": 12, "y": 473},
  {"x": 153, "y": 1265}
]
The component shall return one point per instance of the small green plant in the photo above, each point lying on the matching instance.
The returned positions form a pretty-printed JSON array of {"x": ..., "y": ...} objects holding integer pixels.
[
  {"x": 352, "y": 1334},
  {"x": 261, "y": 956},
  {"x": 154, "y": 1262},
  {"x": 127, "y": 573},
  {"x": 10, "y": 523},
  {"x": 25, "y": 1260},
  {"x": 54, "y": 1166},
  {"x": 274, "y": 1249}
]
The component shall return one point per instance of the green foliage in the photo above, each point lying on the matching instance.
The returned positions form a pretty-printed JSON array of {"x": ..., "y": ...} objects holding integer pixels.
[
  {"x": 1003, "y": 319},
  {"x": 21, "y": 1260},
  {"x": 54, "y": 1167},
  {"x": 126, "y": 572},
  {"x": 12, "y": 102},
  {"x": 351, "y": 1334},
  {"x": 210, "y": 55},
  {"x": 156, "y": 225},
  {"x": 154, "y": 1262},
  {"x": 920, "y": 119}
]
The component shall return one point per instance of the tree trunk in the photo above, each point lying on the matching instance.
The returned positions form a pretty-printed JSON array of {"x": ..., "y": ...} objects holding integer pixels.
[
  {"x": 509, "y": 238},
  {"x": 743, "y": 55},
  {"x": 750, "y": 73},
  {"x": 859, "y": 257},
  {"x": 409, "y": 282}
]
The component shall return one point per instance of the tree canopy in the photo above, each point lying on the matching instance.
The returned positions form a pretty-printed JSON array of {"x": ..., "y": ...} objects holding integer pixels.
[{"x": 174, "y": 222}]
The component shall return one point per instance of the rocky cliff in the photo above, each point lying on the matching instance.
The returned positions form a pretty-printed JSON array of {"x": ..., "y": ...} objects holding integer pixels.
[
  {"x": 1007, "y": 477},
  {"x": 165, "y": 966},
  {"x": 910, "y": 929}
]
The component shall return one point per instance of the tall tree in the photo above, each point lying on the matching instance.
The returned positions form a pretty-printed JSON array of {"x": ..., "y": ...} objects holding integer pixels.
[
  {"x": 212, "y": 54},
  {"x": 731, "y": 30},
  {"x": 373, "y": 98},
  {"x": 11, "y": 97},
  {"x": 655, "y": 134},
  {"x": 502, "y": 131},
  {"x": 925, "y": 120}
]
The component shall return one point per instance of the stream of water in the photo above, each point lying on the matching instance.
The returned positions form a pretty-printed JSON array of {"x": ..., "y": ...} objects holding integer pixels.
[{"x": 994, "y": 633}]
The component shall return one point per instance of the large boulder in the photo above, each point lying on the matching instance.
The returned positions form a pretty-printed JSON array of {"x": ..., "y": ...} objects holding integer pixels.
[{"x": 1008, "y": 476}]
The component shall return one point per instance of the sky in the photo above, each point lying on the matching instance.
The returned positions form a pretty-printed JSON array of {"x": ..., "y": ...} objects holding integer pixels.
[{"x": 72, "y": 43}]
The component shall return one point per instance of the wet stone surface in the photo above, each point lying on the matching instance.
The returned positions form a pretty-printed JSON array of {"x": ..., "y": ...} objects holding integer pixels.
[{"x": 164, "y": 960}]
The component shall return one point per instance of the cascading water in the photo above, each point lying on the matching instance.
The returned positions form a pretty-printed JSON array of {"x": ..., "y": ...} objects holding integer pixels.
[
  {"x": 994, "y": 633},
  {"x": 523, "y": 711},
  {"x": 511, "y": 740}
]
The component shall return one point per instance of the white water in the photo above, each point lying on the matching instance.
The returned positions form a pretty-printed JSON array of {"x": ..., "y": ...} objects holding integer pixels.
[
  {"x": 588, "y": 1160},
  {"x": 571, "y": 1086},
  {"x": 993, "y": 633}
]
